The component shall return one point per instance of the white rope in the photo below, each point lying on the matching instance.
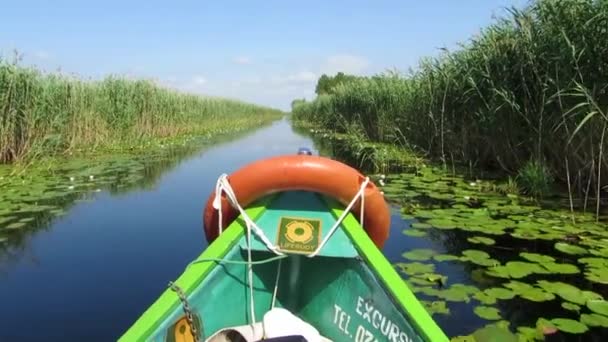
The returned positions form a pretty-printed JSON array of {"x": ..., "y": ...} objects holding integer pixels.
[
  {"x": 276, "y": 284},
  {"x": 224, "y": 185},
  {"x": 250, "y": 275},
  {"x": 360, "y": 193}
]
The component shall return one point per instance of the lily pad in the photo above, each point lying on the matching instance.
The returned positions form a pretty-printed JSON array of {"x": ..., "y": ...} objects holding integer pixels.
[
  {"x": 455, "y": 294},
  {"x": 484, "y": 298},
  {"x": 569, "y": 325},
  {"x": 487, "y": 312},
  {"x": 499, "y": 293},
  {"x": 569, "y": 292},
  {"x": 412, "y": 268},
  {"x": 534, "y": 257},
  {"x": 561, "y": 268},
  {"x": 420, "y": 254},
  {"x": 436, "y": 307},
  {"x": 571, "y": 306},
  {"x": 16, "y": 225},
  {"x": 481, "y": 240},
  {"x": 414, "y": 232},
  {"x": 529, "y": 334},
  {"x": 594, "y": 320},
  {"x": 598, "y": 306},
  {"x": 569, "y": 249},
  {"x": 535, "y": 294},
  {"x": 420, "y": 225},
  {"x": 445, "y": 257}
]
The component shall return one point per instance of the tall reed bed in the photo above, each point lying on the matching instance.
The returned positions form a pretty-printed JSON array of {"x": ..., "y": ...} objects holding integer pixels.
[
  {"x": 50, "y": 113},
  {"x": 531, "y": 89}
]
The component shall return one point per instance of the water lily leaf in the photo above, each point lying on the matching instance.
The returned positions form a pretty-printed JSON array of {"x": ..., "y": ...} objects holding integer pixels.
[
  {"x": 442, "y": 223},
  {"x": 455, "y": 294},
  {"x": 496, "y": 332},
  {"x": 520, "y": 269},
  {"x": 569, "y": 325},
  {"x": 414, "y": 232},
  {"x": 420, "y": 225},
  {"x": 16, "y": 225},
  {"x": 445, "y": 257},
  {"x": 487, "y": 312},
  {"x": 537, "y": 295},
  {"x": 594, "y": 320},
  {"x": 597, "y": 275},
  {"x": 594, "y": 262},
  {"x": 529, "y": 334},
  {"x": 569, "y": 249},
  {"x": 481, "y": 240},
  {"x": 518, "y": 287},
  {"x": 498, "y": 271},
  {"x": 475, "y": 254},
  {"x": 569, "y": 292},
  {"x": 484, "y": 298},
  {"x": 436, "y": 307},
  {"x": 561, "y": 268},
  {"x": 538, "y": 258},
  {"x": 412, "y": 268},
  {"x": 598, "y": 306},
  {"x": 420, "y": 281},
  {"x": 571, "y": 306},
  {"x": 499, "y": 293},
  {"x": 419, "y": 254}
]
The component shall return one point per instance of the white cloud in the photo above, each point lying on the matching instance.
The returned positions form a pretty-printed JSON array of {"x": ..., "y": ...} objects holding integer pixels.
[
  {"x": 243, "y": 60},
  {"x": 348, "y": 64},
  {"x": 42, "y": 55},
  {"x": 199, "y": 80},
  {"x": 302, "y": 76}
]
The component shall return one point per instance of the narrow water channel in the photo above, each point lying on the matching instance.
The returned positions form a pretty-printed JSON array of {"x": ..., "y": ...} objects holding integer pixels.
[{"x": 89, "y": 274}]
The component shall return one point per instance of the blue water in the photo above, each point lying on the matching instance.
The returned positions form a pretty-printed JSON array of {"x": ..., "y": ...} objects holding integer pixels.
[{"x": 91, "y": 273}]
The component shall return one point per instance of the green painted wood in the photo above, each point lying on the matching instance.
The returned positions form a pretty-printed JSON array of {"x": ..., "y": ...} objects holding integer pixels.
[
  {"x": 304, "y": 205},
  {"x": 389, "y": 278},
  {"x": 192, "y": 277},
  {"x": 345, "y": 298}
]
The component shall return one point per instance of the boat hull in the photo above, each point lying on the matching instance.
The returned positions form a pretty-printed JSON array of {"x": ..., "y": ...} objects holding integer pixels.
[{"x": 349, "y": 292}]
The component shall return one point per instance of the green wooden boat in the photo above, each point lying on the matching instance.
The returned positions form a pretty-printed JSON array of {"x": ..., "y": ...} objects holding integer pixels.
[{"x": 238, "y": 287}]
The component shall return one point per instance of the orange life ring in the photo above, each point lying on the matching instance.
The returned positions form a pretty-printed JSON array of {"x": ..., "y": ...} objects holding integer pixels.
[{"x": 301, "y": 172}]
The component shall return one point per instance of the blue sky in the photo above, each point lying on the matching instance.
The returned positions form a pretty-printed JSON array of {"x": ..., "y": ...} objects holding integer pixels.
[{"x": 266, "y": 51}]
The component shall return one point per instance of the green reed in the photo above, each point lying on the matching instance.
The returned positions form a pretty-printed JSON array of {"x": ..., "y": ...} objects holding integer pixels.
[{"x": 43, "y": 114}]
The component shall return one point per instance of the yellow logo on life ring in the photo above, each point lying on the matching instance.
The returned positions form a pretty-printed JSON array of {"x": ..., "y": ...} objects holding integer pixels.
[{"x": 299, "y": 231}]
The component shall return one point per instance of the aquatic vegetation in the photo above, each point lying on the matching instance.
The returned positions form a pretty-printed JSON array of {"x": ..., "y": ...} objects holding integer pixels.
[
  {"x": 51, "y": 113},
  {"x": 594, "y": 320},
  {"x": 598, "y": 305},
  {"x": 419, "y": 254},
  {"x": 569, "y": 325},
  {"x": 535, "y": 178},
  {"x": 531, "y": 86},
  {"x": 487, "y": 312}
]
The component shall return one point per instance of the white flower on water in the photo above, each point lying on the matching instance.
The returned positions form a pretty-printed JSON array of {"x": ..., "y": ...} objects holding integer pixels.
[
  {"x": 97, "y": 190},
  {"x": 467, "y": 197},
  {"x": 91, "y": 177},
  {"x": 381, "y": 182},
  {"x": 71, "y": 179},
  {"x": 71, "y": 187},
  {"x": 472, "y": 184},
  {"x": 382, "y": 176}
]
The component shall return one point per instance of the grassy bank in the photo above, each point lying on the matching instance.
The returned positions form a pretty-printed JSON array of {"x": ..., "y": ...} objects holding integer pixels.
[
  {"x": 45, "y": 114},
  {"x": 528, "y": 96}
]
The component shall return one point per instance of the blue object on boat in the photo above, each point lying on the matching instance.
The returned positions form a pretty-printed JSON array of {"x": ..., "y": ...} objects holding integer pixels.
[{"x": 305, "y": 150}]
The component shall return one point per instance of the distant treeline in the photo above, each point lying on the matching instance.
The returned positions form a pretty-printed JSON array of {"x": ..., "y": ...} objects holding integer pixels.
[
  {"x": 42, "y": 114},
  {"x": 529, "y": 93}
]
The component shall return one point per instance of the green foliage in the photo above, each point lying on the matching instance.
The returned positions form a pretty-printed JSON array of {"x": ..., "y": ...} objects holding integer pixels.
[
  {"x": 533, "y": 85},
  {"x": 327, "y": 84},
  {"x": 43, "y": 114},
  {"x": 535, "y": 178}
]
